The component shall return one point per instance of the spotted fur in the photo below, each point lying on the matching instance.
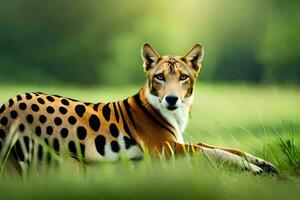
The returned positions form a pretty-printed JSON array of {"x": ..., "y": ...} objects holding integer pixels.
[{"x": 127, "y": 127}]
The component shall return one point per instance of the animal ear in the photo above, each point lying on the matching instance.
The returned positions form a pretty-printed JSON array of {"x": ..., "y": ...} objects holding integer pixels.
[
  {"x": 149, "y": 55},
  {"x": 195, "y": 56}
]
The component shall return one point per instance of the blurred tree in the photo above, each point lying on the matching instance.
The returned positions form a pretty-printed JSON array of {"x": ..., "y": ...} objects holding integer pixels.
[
  {"x": 98, "y": 42},
  {"x": 280, "y": 49},
  {"x": 57, "y": 40},
  {"x": 238, "y": 38}
]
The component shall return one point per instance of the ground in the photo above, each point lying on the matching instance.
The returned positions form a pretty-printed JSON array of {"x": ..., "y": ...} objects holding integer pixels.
[{"x": 262, "y": 120}]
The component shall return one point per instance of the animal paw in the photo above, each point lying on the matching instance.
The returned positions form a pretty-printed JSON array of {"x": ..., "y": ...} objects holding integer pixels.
[
  {"x": 255, "y": 169},
  {"x": 263, "y": 164}
]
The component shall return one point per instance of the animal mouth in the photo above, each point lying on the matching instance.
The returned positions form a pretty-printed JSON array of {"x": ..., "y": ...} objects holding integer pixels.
[{"x": 172, "y": 107}]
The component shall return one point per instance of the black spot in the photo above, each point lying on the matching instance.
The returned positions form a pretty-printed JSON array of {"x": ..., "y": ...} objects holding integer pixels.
[
  {"x": 72, "y": 148},
  {"x": 96, "y": 106},
  {"x": 129, "y": 142},
  {"x": 38, "y": 131},
  {"x": 50, "y": 109},
  {"x": 106, "y": 112},
  {"x": 26, "y": 142},
  {"x": 21, "y": 127},
  {"x": 43, "y": 119},
  {"x": 29, "y": 118},
  {"x": 41, "y": 101},
  {"x": 116, "y": 112},
  {"x": 57, "y": 121},
  {"x": 48, "y": 156},
  {"x": 65, "y": 102},
  {"x": 114, "y": 130},
  {"x": 36, "y": 94},
  {"x": 4, "y": 121},
  {"x": 28, "y": 96},
  {"x": 13, "y": 114},
  {"x": 49, "y": 130},
  {"x": 10, "y": 102},
  {"x": 2, "y": 109},
  {"x": 49, "y": 98},
  {"x": 64, "y": 132},
  {"x": 80, "y": 110},
  {"x": 58, "y": 96},
  {"x": 40, "y": 152},
  {"x": 73, "y": 100},
  {"x": 100, "y": 144},
  {"x": 22, "y": 106},
  {"x": 94, "y": 122},
  {"x": 56, "y": 144},
  {"x": 2, "y": 134},
  {"x": 115, "y": 147},
  {"x": 72, "y": 120},
  {"x": 35, "y": 107},
  {"x": 17, "y": 151},
  {"x": 19, "y": 98},
  {"x": 47, "y": 141},
  {"x": 63, "y": 110},
  {"x": 82, "y": 149},
  {"x": 81, "y": 132},
  {"x": 87, "y": 104}
]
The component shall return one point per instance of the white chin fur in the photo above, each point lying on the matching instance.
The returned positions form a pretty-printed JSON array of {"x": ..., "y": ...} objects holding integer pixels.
[{"x": 177, "y": 118}]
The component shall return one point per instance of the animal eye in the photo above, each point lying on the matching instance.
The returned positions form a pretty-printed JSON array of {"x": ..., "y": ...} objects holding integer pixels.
[
  {"x": 183, "y": 77},
  {"x": 160, "y": 77}
]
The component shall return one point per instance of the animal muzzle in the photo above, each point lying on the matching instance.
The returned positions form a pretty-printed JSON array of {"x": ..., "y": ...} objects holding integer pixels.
[{"x": 171, "y": 102}]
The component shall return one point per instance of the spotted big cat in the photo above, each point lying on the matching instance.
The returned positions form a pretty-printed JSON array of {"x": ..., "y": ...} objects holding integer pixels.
[{"x": 152, "y": 120}]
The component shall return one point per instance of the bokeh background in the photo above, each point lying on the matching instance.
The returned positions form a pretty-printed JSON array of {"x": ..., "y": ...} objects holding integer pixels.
[
  {"x": 94, "y": 42},
  {"x": 247, "y": 96}
]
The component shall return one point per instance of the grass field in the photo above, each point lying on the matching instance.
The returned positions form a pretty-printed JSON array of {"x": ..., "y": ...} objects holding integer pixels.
[{"x": 262, "y": 120}]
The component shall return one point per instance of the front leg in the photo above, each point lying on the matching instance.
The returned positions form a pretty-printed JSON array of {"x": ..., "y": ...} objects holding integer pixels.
[
  {"x": 263, "y": 164},
  {"x": 225, "y": 155}
]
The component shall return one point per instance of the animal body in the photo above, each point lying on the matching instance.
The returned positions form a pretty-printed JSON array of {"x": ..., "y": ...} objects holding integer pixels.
[{"x": 153, "y": 119}]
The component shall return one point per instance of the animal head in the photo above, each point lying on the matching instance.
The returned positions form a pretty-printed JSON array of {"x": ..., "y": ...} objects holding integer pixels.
[{"x": 171, "y": 79}]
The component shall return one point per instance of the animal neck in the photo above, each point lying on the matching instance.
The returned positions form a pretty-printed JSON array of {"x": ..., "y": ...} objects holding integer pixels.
[
  {"x": 177, "y": 118},
  {"x": 146, "y": 120}
]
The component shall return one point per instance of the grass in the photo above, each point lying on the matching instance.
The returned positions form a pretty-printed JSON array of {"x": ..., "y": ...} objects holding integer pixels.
[{"x": 264, "y": 121}]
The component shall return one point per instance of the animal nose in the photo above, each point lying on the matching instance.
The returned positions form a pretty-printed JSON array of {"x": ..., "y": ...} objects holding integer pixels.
[{"x": 171, "y": 99}]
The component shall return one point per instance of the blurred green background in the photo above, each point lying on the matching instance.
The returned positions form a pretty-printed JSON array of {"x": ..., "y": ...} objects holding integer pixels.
[
  {"x": 90, "y": 50},
  {"x": 98, "y": 42}
]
